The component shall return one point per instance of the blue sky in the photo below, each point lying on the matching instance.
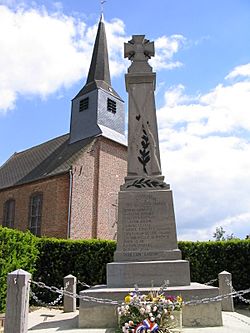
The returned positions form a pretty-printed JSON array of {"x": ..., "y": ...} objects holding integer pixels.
[{"x": 203, "y": 91}]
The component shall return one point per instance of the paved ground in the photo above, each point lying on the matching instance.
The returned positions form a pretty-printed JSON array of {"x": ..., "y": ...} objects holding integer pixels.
[{"x": 45, "y": 320}]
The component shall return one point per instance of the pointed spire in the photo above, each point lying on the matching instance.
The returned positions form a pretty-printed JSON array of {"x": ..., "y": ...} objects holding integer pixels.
[
  {"x": 99, "y": 75},
  {"x": 99, "y": 68}
]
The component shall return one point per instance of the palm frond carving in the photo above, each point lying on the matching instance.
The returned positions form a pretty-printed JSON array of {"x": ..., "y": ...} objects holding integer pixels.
[{"x": 144, "y": 156}]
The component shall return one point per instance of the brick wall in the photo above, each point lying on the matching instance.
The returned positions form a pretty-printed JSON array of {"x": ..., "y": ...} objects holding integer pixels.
[
  {"x": 83, "y": 192},
  {"x": 112, "y": 170},
  {"x": 97, "y": 175},
  {"x": 55, "y": 205}
]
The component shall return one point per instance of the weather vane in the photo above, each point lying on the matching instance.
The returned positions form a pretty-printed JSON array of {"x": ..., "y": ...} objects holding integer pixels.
[{"x": 102, "y": 2}]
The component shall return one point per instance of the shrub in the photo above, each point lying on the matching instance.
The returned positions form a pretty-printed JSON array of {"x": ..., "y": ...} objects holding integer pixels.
[
  {"x": 17, "y": 250},
  {"x": 50, "y": 259},
  {"x": 85, "y": 259},
  {"x": 208, "y": 259}
]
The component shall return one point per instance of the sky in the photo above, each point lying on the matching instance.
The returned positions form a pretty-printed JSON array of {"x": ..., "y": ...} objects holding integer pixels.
[{"x": 202, "y": 94}]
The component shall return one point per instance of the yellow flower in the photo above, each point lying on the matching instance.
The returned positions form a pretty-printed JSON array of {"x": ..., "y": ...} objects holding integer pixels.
[
  {"x": 127, "y": 299},
  {"x": 149, "y": 297},
  {"x": 179, "y": 299}
]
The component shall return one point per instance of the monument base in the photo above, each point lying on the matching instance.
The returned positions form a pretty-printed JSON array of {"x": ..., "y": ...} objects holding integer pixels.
[
  {"x": 127, "y": 274},
  {"x": 101, "y": 315}
]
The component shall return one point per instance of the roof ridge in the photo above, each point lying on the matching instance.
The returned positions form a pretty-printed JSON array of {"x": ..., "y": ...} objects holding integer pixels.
[
  {"x": 11, "y": 156},
  {"x": 49, "y": 158},
  {"x": 40, "y": 144}
]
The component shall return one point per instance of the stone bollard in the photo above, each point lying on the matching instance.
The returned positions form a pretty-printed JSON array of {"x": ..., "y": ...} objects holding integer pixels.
[
  {"x": 17, "y": 307},
  {"x": 225, "y": 287},
  {"x": 69, "y": 303}
]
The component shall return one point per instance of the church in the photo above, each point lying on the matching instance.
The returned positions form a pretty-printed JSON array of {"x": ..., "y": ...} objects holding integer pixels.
[{"x": 67, "y": 187}]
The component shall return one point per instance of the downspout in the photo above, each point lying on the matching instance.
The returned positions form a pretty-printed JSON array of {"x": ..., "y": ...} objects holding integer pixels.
[{"x": 70, "y": 202}]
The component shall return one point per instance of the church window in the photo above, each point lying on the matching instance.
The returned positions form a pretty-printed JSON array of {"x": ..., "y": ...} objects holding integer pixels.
[
  {"x": 35, "y": 213},
  {"x": 111, "y": 105},
  {"x": 9, "y": 213},
  {"x": 84, "y": 104}
]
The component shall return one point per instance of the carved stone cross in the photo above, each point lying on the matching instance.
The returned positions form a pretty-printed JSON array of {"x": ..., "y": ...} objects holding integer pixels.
[{"x": 139, "y": 48}]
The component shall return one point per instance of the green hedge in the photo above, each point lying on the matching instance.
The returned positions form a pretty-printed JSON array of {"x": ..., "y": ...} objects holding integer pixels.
[
  {"x": 208, "y": 259},
  {"x": 49, "y": 260},
  {"x": 85, "y": 259},
  {"x": 17, "y": 250}
]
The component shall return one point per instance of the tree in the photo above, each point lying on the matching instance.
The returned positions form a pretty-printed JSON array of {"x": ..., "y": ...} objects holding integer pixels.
[{"x": 219, "y": 235}]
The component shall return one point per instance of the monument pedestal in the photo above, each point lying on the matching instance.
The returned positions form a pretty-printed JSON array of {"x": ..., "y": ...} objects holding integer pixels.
[
  {"x": 146, "y": 230},
  {"x": 147, "y": 253},
  {"x": 147, "y": 249},
  {"x": 128, "y": 274},
  {"x": 100, "y": 315}
]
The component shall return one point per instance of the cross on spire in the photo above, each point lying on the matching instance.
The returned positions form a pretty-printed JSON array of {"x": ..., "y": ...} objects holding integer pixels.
[{"x": 102, "y": 2}]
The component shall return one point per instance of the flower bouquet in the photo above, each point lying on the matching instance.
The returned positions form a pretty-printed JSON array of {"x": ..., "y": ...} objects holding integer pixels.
[{"x": 153, "y": 312}]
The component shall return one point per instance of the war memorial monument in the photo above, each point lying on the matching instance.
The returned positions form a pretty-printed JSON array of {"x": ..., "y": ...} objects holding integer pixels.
[{"x": 147, "y": 251}]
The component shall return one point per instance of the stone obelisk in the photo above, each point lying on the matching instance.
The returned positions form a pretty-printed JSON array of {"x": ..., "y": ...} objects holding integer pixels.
[
  {"x": 147, "y": 251},
  {"x": 146, "y": 237}
]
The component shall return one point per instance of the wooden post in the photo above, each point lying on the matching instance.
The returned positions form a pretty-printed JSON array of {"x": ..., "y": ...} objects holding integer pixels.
[
  {"x": 17, "y": 309},
  {"x": 69, "y": 303},
  {"x": 225, "y": 287}
]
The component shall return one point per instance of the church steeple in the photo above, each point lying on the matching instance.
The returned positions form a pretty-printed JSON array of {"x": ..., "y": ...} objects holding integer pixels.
[
  {"x": 99, "y": 67},
  {"x": 97, "y": 108},
  {"x": 99, "y": 74}
]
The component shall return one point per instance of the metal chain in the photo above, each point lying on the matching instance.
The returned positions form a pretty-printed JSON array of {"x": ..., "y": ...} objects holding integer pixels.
[
  {"x": 247, "y": 301},
  {"x": 110, "y": 301},
  {"x": 83, "y": 284},
  {"x": 210, "y": 282},
  {"x": 218, "y": 298},
  {"x": 52, "y": 303},
  {"x": 243, "y": 299},
  {"x": 39, "y": 302},
  {"x": 74, "y": 295}
]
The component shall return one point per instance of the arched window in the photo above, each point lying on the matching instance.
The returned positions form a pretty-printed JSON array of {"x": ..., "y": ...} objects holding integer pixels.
[
  {"x": 9, "y": 213},
  {"x": 35, "y": 213}
]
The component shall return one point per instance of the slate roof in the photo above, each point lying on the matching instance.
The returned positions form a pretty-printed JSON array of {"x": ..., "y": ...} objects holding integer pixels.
[
  {"x": 113, "y": 135},
  {"x": 47, "y": 159},
  {"x": 50, "y": 158},
  {"x": 99, "y": 67},
  {"x": 99, "y": 74},
  {"x": 97, "y": 84}
]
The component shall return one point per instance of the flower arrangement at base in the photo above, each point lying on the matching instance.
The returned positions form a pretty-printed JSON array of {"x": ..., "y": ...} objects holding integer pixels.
[{"x": 154, "y": 312}]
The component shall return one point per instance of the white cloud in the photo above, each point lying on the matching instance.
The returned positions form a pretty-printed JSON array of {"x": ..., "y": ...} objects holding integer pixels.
[
  {"x": 224, "y": 109},
  {"x": 243, "y": 70},
  {"x": 42, "y": 52},
  {"x": 166, "y": 47},
  {"x": 38, "y": 55},
  {"x": 116, "y": 38},
  {"x": 231, "y": 225},
  {"x": 205, "y": 155},
  {"x": 7, "y": 99}
]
